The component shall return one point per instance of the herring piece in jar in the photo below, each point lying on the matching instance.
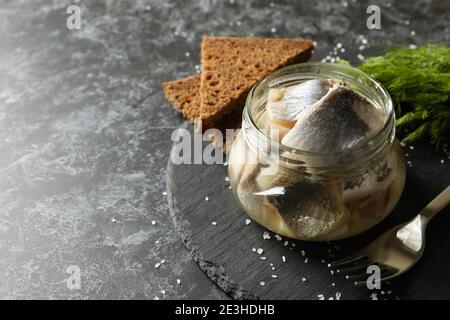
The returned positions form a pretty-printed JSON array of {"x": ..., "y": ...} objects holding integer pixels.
[
  {"x": 285, "y": 105},
  {"x": 309, "y": 209},
  {"x": 338, "y": 121}
]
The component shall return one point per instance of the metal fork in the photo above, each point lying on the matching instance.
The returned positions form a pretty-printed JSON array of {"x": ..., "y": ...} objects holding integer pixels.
[{"x": 396, "y": 250}]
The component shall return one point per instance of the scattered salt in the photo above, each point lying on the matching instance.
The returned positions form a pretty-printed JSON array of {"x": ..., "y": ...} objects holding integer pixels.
[
  {"x": 273, "y": 30},
  {"x": 259, "y": 251},
  {"x": 153, "y": 222},
  {"x": 262, "y": 283},
  {"x": 303, "y": 279},
  {"x": 266, "y": 235},
  {"x": 303, "y": 253},
  {"x": 274, "y": 276},
  {"x": 278, "y": 237},
  {"x": 248, "y": 221},
  {"x": 283, "y": 258},
  {"x": 214, "y": 223},
  {"x": 178, "y": 281},
  {"x": 286, "y": 243},
  {"x": 206, "y": 198}
]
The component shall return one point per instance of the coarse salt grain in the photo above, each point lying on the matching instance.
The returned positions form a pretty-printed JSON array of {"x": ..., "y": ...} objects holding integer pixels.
[
  {"x": 178, "y": 281},
  {"x": 321, "y": 297},
  {"x": 227, "y": 179},
  {"x": 339, "y": 45},
  {"x": 303, "y": 253},
  {"x": 157, "y": 265},
  {"x": 286, "y": 243},
  {"x": 113, "y": 220},
  {"x": 153, "y": 222},
  {"x": 187, "y": 54},
  {"x": 283, "y": 258},
  {"x": 206, "y": 198},
  {"x": 262, "y": 283},
  {"x": 274, "y": 276},
  {"x": 263, "y": 258},
  {"x": 163, "y": 291},
  {"x": 248, "y": 221},
  {"x": 254, "y": 249},
  {"x": 360, "y": 57},
  {"x": 303, "y": 279},
  {"x": 338, "y": 295},
  {"x": 266, "y": 235},
  {"x": 164, "y": 193},
  {"x": 214, "y": 223},
  {"x": 278, "y": 237},
  {"x": 259, "y": 251},
  {"x": 306, "y": 260},
  {"x": 273, "y": 30},
  {"x": 412, "y": 33}
]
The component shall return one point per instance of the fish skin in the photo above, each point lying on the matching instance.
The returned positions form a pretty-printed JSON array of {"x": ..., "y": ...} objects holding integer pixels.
[
  {"x": 334, "y": 123},
  {"x": 289, "y": 102}
]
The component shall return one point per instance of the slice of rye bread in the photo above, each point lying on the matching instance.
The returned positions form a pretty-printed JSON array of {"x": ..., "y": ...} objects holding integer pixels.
[
  {"x": 184, "y": 94},
  {"x": 230, "y": 68}
]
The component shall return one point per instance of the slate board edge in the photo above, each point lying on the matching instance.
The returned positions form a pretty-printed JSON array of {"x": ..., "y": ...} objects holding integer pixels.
[{"x": 214, "y": 272}]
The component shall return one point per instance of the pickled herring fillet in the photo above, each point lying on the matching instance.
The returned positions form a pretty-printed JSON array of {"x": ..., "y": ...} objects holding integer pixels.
[
  {"x": 309, "y": 209},
  {"x": 285, "y": 105},
  {"x": 340, "y": 120}
]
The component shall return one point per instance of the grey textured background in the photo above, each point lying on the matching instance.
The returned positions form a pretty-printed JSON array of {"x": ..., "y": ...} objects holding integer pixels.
[{"x": 85, "y": 131}]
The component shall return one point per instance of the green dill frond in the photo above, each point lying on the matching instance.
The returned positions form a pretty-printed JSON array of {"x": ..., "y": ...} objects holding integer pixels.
[{"x": 418, "y": 81}]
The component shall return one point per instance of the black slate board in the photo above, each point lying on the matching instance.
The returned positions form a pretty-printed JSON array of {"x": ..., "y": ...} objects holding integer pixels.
[{"x": 224, "y": 251}]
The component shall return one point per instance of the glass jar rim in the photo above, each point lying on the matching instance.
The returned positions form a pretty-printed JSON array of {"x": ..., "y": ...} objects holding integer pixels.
[{"x": 328, "y": 70}]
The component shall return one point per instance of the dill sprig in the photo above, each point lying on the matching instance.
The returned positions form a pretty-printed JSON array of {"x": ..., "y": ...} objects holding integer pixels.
[{"x": 418, "y": 81}]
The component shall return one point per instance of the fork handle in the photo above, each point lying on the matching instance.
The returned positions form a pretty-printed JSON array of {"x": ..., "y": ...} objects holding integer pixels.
[{"x": 436, "y": 204}]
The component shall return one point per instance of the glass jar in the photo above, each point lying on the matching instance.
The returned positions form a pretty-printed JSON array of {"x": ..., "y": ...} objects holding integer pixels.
[{"x": 310, "y": 195}]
